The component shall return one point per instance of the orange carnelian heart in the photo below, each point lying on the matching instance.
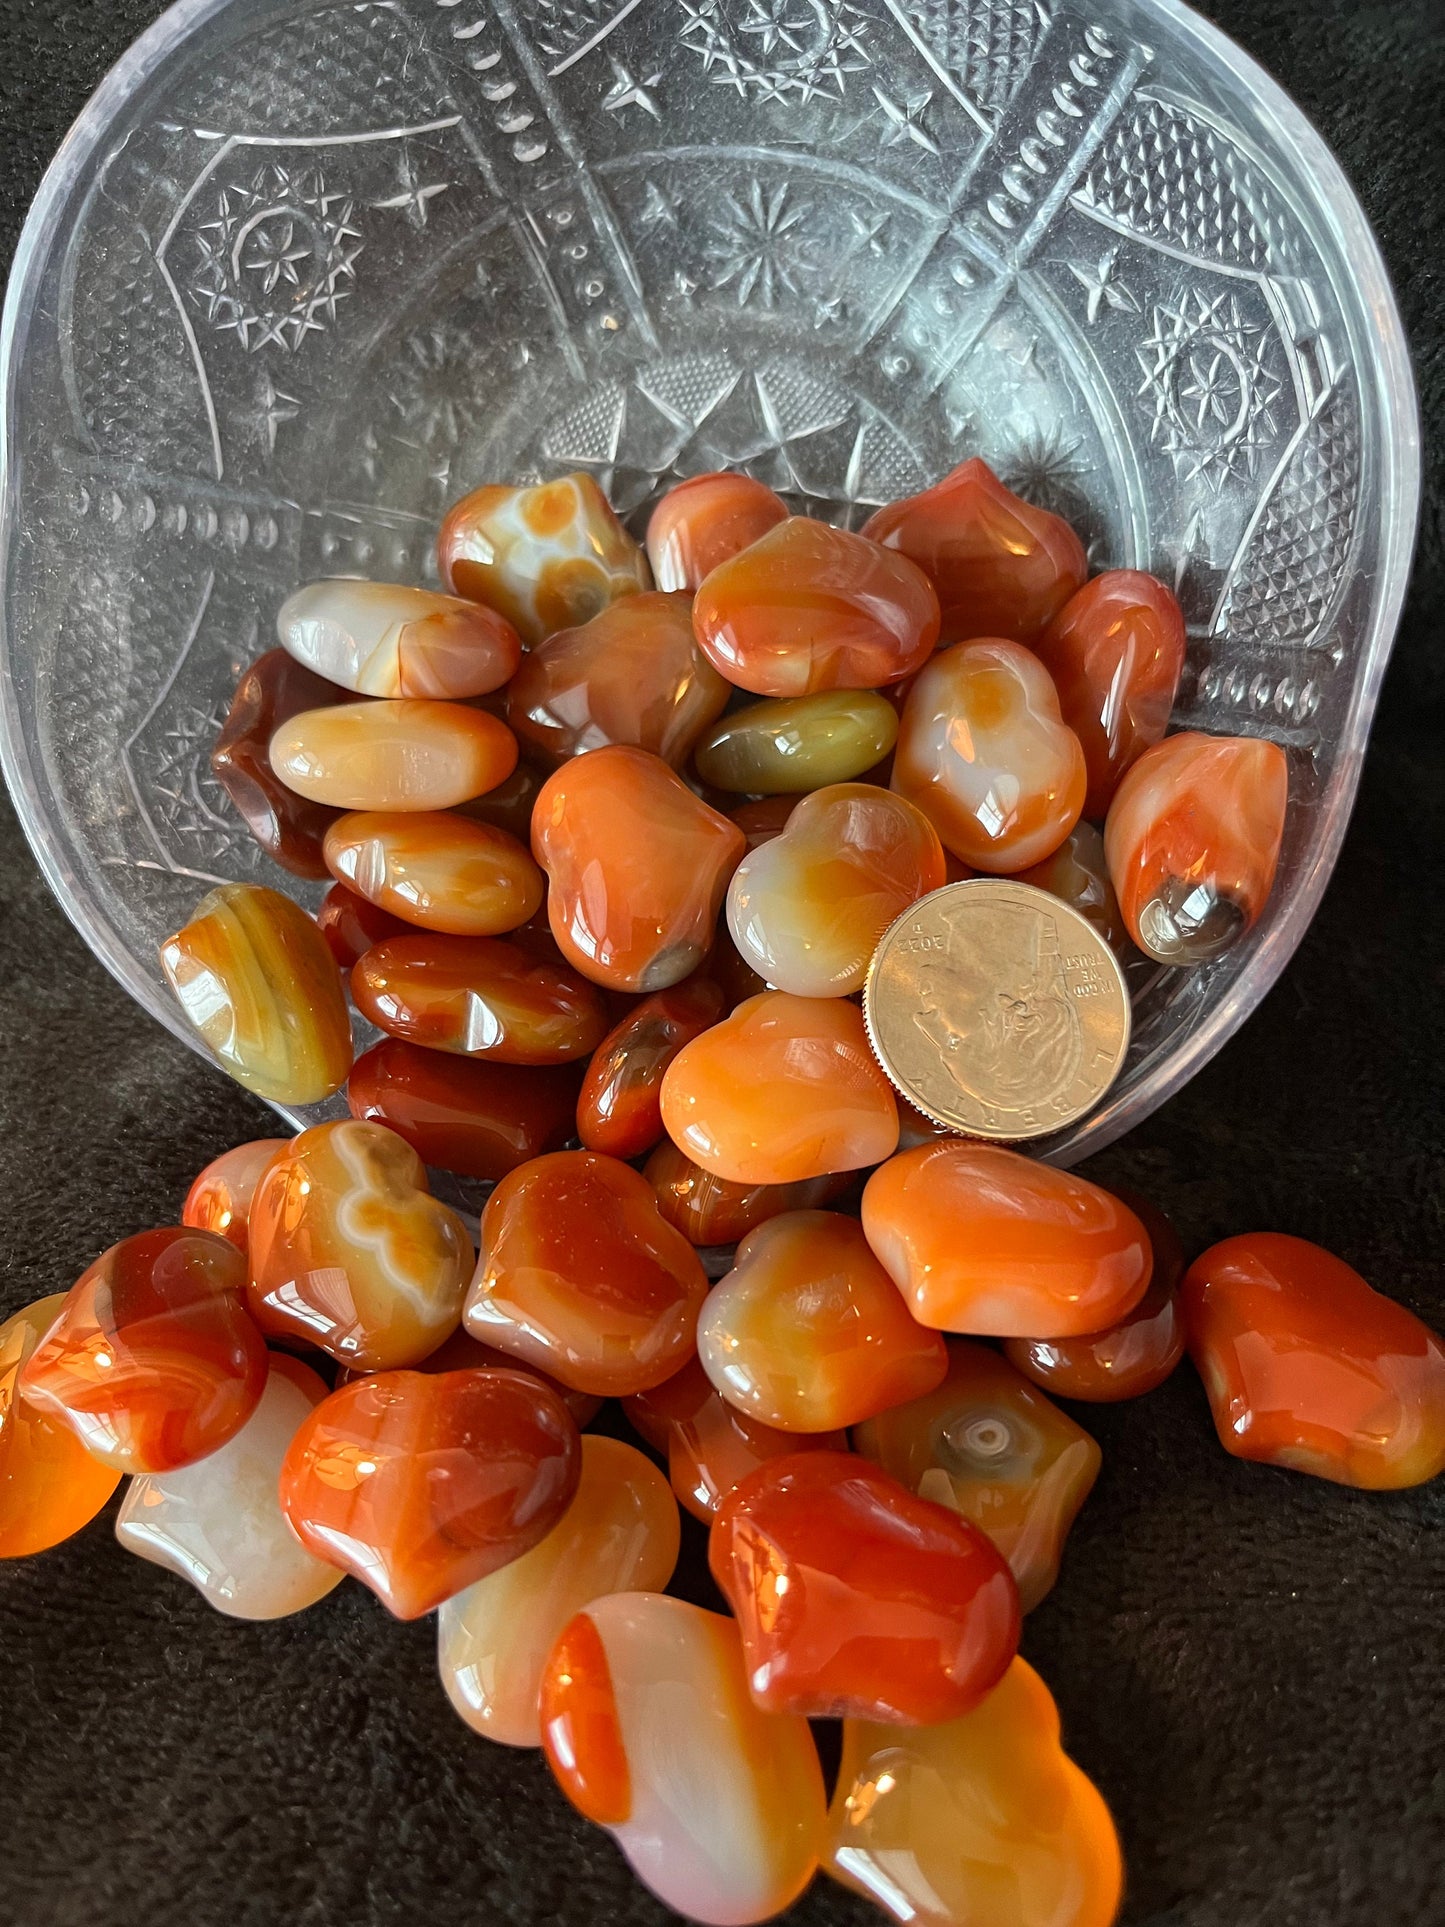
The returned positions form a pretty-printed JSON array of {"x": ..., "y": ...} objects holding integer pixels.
[
  {"x": 152, "y": 1360},
  {"x": 580, "y": 1274},
  {"x": 784, "y": 1089},
  {"x": 620, "y": 1107},
  {"x": 422, "y": 1484},
  {"x": 812, "y": 607},
  {"x": 855, "y": 1598},
  {"x": 1001, "y": 567},
  {"x": 1192, "y": 840},
  {"x": 220, "y": 1198},
  {"x": 637, "y": 867},
  {"x": 478, "y": 997},
  {"x": 1115, "y": 651},
  {"x": 711, "y": 1446},
  {"x": 1307, "y": 1366},
  {"x": 807, "y": 1332},
  {"x": 705, "y": 521},
  {"x": 979, "y": 1239}
]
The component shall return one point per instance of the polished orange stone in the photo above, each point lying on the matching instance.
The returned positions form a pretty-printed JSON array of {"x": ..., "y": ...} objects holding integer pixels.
[
  {"x": 633, "y": 674},
  {"x": 436, "y": 869},
  {"x": 351, "y": 1253},
  {"x": 288, "y": 827},
  {"x": 784, "y": 1089},
  {"x": 1130, "y": 1358},
  {"x": 1116, "y": 652},
  {"x": 579, "y": 1273},
  {"x": 385, "y": 640},
  {"x": 256, "y": 982},
  {"x": 807, "y": 909},
  {"x": 547, "y": 557},
  {"x": 856, "y": 1599},
  {"x": 708, "y": 1210},
  {"x": 220, "y": 1198},
  {"x": 979, "y": 1239},
  {"x": 637, "y": 867},
  {"x": 420, "y": 1484},
  {"x": 1000, "y": 566},
  {"x": 807, "y": 1332},
  {"x": 1306, "y": 1366},
  {"x": 984, "y": 753},
  {"x": 152, "y": 1360},
  {"x": 619, "y": 1110},
  {"x": 351, "y": 925},
  {"x": 1193, "y": 838},
  {"x": 810, "y": 607},
  {"x": 647, "y": 1725},
  {"x": 478, "y": 997},
  {"x": 620, "y": 1534},
  {"x": 980, "y": 1822},
  {"x": 710, "y": 1445},
  {"x": 461, "y": 1114},
  {"x": 402, "y": 754},
  {"x": 1078, "y": 874},
  {"x": 989, "y": 1445},
  {"x": 50, "y": 1486},
  {"x": 706, "y": 521}
]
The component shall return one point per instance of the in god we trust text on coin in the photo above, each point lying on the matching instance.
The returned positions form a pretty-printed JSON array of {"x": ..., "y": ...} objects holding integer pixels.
[{"x": 997, "y": 1010}]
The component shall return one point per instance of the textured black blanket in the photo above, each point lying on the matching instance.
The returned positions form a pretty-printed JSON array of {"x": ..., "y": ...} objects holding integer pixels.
[{"x": 1249, "y": 1662}]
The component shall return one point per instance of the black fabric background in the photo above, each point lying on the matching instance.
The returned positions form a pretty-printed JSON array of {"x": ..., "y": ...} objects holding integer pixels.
[{"x": 1247, "y": 1661}]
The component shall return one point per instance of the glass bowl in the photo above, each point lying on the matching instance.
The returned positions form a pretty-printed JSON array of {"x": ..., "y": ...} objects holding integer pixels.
[{"x": 303, "y": 273}]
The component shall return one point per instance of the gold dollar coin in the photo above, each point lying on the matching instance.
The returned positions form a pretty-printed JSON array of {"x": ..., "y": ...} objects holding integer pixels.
[{"x": 997, "y": 1010}]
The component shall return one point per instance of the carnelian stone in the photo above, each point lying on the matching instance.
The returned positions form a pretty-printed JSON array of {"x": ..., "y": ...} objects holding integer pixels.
[
  {"x": 619, "y": 1110},
  {"x": 710, "y": 1445},
  {"x": 461, "y": 1114},
  {"x": 422, "y": 1484},
  {"x": 437, "y": 869},
  {"x": 647, "y": 1725},
  {"x": 1116, "y": 652},
  {"x": 633, "y": 674},
  {"x": 405, "y": 754},
  {"x": 256, "y": 982},
  {"x": 152, "y": 1360},
  {"x": 1192, "y": 838},
  {"x": 385, "y": 640},
  {"x": 979, "y": 1239},
  {"x": 1001, "y": 567},
  {"x": 854, "y": 1598},
  {"x": 708, "y": 1210},
  {"x": 289, "y": 827},
  {"x": 980, "y": 1822},
  {"x": 220, "y": 1198},
  {"x": 984, "y": 753},
  {"x": 807, "y": 1332},
  {"x": 478, "y": 997},
  {"x": 784, "y": 1089},
  {"x": 807, "y": 909},
  {"x": 637, "y": 867},
  {"x": 706, "y": 521},
  {"x": 1306, "y": 1366},
  {"x": 351, "y": 1253},
  {"x": 812, "y": 607},
  {"x": 579, "y": 1273},
  {"x": 620, "y": 1534},
  {"x": 1078, "y": 874},
  {"x": 351, "y": 925},
  {"x": 50, "y": 1486},
  {"x": 547, "y": 557},
  {"x": 990, "y": 1446},
  {"x": 1125, "y": 1360}
]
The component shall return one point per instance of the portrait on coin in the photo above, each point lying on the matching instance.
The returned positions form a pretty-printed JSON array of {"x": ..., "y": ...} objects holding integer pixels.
[{"x": 995, "y": 1005}]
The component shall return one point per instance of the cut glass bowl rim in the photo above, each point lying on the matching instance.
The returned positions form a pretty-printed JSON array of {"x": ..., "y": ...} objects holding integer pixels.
[{"x": 1399, "y": 456}]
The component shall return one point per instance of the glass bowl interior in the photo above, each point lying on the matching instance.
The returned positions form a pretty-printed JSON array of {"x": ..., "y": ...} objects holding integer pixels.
[{"x": 305, "y": 272}]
